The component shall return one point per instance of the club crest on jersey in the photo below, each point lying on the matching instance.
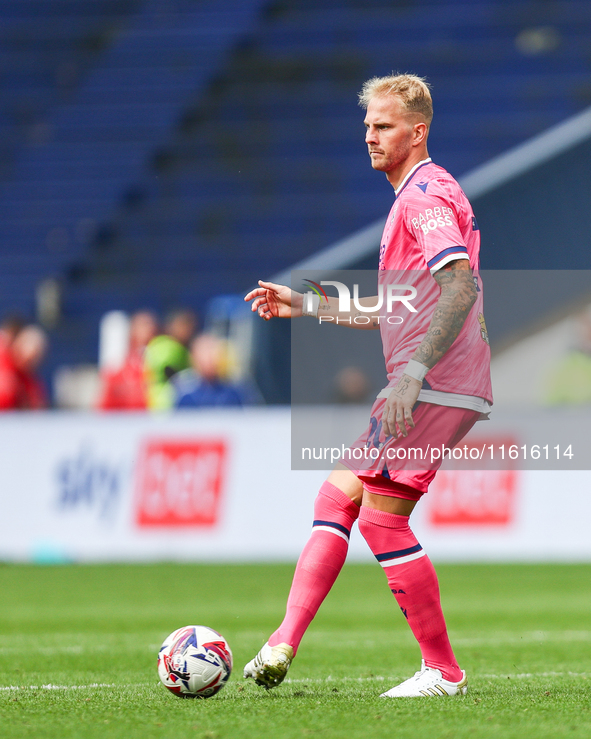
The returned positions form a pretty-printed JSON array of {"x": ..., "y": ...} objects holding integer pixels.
[
  {"x": 433, "y": 218},
  {"x": 394, "y": 210},
  {"x": 483, "y": 331}
]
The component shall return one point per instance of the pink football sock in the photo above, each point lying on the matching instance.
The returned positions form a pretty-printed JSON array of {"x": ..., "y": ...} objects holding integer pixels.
[
  {"x": 319, "y": 564},
  {"x": 412, "y": 579}
]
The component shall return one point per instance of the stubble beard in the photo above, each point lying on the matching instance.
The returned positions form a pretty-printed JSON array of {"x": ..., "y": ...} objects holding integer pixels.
[{"x": 394, "y": 160}]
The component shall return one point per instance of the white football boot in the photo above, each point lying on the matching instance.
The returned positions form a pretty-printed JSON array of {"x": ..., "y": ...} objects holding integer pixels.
[
  {"x": 429, "y": 683},
  {"x": 270, "y": 666}
]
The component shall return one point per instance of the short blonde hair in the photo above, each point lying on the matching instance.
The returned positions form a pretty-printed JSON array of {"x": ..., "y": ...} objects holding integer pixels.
[{"x": 412, "y": 91}]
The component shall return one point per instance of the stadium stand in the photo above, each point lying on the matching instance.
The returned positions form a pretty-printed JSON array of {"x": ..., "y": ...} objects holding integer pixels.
[
  {"x": 199, "y": 148},
  {"x": 46, "y": 49}
]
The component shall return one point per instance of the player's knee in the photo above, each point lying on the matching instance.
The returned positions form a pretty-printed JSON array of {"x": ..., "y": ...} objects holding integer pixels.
[
  {"x": 332, "y": 502},
  {"x": 347, "y": 482}
]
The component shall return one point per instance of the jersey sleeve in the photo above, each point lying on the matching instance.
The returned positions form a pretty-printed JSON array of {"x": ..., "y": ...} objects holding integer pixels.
[{"x": 432, "y": 220}]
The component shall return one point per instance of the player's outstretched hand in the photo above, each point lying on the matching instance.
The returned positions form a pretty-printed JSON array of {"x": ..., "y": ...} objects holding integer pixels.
[
  {"x": 397, "y": 417},
  {"x": 275, "y": 301}
]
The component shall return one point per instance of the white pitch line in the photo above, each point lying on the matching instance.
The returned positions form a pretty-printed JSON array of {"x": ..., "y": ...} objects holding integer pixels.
[
  {"x": 302, "y": 681},
  {"x": 74, "y": 649},
  {"x": 92, "y": 686},
  {"x": 58, "y": 687}
]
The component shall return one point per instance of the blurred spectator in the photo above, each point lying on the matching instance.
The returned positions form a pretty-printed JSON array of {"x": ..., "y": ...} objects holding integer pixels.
[
  {"x": 21, "y": 354},
  {"x": 205, "y": 383},
  {"x": 166, "y": 355},
  {"x": 126, "y": 388},
  {"x": 9, "y": 329},
  {"x": 569, "y": 381},
  {"x": 352, "y": 386}
]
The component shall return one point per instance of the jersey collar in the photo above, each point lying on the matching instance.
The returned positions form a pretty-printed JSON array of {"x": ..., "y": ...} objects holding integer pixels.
[{"x": 408, "y": 177}]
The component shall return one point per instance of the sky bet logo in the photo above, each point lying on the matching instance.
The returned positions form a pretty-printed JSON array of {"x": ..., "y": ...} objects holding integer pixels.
[{"x": 393, "y": 294}]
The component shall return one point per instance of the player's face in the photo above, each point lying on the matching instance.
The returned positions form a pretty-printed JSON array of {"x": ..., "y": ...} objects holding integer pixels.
[{"x": 390, "y": 132}]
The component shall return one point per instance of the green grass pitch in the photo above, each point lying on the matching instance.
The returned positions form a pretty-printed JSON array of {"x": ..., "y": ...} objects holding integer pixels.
[{"x": 78, "y": 651}]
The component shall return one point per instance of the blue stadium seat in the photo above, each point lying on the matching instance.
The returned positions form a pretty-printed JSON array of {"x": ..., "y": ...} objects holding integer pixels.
[{"x": 207, "y": 146}]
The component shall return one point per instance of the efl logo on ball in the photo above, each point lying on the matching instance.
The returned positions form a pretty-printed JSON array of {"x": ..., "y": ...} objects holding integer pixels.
[{"x": 194, "y": 662}]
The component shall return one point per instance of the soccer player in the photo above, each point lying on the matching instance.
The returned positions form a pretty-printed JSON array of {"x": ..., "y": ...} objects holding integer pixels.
[{"x": 439, "y": 386}]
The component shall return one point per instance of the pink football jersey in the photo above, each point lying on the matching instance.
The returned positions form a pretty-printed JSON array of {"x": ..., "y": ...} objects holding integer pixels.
[{"x": 431, "y": 224}]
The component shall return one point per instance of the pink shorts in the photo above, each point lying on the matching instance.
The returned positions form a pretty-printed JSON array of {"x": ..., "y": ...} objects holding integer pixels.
[{"x": 405, "y": 467}]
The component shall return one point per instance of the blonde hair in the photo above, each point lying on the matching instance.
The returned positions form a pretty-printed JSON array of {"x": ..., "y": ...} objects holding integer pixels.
[{"x": 412, "y": 91}]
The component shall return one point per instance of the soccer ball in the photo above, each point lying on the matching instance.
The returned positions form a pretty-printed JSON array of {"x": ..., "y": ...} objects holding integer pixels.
[{"x": 194, "y": 662}]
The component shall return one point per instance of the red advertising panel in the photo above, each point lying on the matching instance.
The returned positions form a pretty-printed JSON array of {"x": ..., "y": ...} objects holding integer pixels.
[
  {"x": 179, "y": 483},
  {"x": 473, "y": 497}
]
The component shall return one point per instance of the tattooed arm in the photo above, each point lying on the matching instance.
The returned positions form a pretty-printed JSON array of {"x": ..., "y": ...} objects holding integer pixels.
[{"x": 458, "y": 294}]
